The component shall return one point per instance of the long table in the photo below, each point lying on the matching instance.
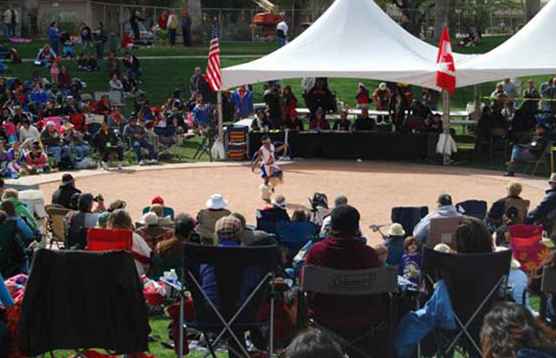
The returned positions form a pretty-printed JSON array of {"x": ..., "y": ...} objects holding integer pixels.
[{"x": 345, "y": 145}]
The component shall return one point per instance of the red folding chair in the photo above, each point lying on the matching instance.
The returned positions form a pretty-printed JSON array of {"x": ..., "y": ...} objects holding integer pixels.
[
  {"x": 109, "y": 240},
  {"x": 527, "y": 247}
]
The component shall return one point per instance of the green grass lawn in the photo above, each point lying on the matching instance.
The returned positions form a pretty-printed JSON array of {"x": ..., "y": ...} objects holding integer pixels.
[{"x": 163, "y": 76}]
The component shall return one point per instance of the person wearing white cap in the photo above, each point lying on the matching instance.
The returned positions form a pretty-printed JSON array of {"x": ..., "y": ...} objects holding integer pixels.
[
  {"x": 545, "y": 212},
  {"x": 216, "y": 208},
  {"x": 381, "y": 98}
]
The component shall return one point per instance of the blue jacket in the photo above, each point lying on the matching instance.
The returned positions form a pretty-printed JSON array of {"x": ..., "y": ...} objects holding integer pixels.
[
  {"x": 243, "y": 105},
  {"x": 53, "y": 34},
  {"x": 547, "y": 205},
  {"x": 5, "y": 297}
]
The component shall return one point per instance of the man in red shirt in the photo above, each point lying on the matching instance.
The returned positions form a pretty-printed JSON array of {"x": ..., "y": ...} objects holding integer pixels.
[{"x": 344, "y": 249}]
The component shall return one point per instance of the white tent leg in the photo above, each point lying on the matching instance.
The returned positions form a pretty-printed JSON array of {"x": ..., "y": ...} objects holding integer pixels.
[{"x": 445, "y": 124}]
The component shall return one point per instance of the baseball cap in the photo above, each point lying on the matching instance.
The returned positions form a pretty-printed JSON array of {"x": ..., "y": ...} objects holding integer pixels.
[{"x": 345, "y": 220}]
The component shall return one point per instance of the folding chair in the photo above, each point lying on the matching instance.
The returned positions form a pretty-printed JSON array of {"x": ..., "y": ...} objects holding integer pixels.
[
  {"x": 97, "y": 302},
  {"x": 56, "y": 224},
  {"x": 473, "y": 282},
  {"x": 295, "y": 235},
  {"x": 527, "y": 247},
  {"x": 109, "y": 240},
  {"x": 239, "y": 297},
  {"x": 473, "y": 208},
  {"x": 548, "y": 288},
  {"x": 442, "y": 230},
  {"x": 268, "y": 221},
  {"x": 408, "y": 217},
  {"x": 367, "y": 282}
]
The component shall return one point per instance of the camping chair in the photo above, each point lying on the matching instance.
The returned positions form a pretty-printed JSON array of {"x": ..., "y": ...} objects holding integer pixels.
[
  {"x": 295, "y": 235},
  {"x": 473, "y": 282},
  {"x": 474, "y": 208},
  {"x": 548, "y": 288},
  {"x": 109, "y": 240},
  {"x": 239, "y": 300},
  {"x": 367, "y": 282},
  {"x": 268, "y": 221},
  {"x": 442, "y": 230},
  {"x": 408, "y": 217},
  {"x": 56, "y": 224},
  {"x": 113, "y": 294},
  {"x": 527, "y": 247}
]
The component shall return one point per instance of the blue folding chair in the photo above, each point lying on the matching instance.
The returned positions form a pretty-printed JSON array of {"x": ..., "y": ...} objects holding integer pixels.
[
  {"x": 474, "y": 208},
  {"x": 295, "y": 235}
]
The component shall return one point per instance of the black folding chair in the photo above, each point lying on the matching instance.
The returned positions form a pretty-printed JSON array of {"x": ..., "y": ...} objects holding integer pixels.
[
  {"x": 408, "y": 217},
  {"x": 76, "y": 300},
  {"x": 367, "y": 282},
  {"x": 474, "y": 208},
  {"x": 474, "y": 281},
  {"x": 243, "y": 278}
]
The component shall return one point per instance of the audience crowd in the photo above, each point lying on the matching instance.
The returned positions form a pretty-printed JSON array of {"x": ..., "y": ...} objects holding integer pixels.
[{"x": 324, "y": 237}]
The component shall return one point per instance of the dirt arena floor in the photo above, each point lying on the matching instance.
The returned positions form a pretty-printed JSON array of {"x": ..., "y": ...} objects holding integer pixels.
[{"x": 372, "y": 187}]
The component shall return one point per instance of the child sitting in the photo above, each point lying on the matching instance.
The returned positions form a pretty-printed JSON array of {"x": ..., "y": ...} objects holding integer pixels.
[
  {"x": 410, "y": 264},
  {"x": 394, "y": 241}
]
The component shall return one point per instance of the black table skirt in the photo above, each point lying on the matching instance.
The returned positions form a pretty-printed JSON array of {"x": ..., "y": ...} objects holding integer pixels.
[{"x": 344, "y": 145}]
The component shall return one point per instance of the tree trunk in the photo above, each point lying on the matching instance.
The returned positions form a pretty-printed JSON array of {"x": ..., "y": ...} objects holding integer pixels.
[
  {"x": 195, "y": 11},
  {"x": 317, "y": 7},
  {"x": 531, "y": 8},
  {"x": 29, "y": 17},
  {"x": 441, "y": 17}
]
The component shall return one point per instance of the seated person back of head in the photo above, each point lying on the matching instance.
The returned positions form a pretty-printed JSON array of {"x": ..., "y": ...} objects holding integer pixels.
[{"x": 343, "y": 250}]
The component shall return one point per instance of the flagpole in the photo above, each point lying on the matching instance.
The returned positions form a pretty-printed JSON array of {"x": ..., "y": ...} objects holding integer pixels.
[
  {"x": 445, "y": 124},
  {"x": 220, "y": 116}
]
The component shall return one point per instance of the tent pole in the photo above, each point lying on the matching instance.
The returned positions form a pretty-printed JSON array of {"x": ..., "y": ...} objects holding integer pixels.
[
  {"x": 445, "y": 124},
  {"x": 220, "y": 117}
]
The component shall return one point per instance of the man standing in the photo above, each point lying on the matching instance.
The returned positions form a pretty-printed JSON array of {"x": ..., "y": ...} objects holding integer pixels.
[
  {"x": 172, "y": 26},
  {"x": 186, "y": 28},
  {"x": 10, "y": 21},
  {"x": 65, "y": 192},
  {"x": 198, "y": 84},
  {"x": 531, "y": 98},
  {"x": 545, "y": 212},
  {"x": 282, "y": 31}
]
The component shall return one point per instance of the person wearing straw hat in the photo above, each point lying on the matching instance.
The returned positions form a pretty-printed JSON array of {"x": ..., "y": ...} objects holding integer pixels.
[
  {"x": 216, "y": 208},
  {"x": 545, "y": 212}
]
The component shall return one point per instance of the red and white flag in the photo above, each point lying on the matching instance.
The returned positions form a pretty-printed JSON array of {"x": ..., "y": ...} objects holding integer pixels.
[
  {"x": 446, "y": 68},
  {"x": 214, "y": 74}
]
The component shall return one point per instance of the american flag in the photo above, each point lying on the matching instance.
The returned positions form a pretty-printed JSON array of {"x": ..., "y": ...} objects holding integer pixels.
[{"x": 214, "y": 75}]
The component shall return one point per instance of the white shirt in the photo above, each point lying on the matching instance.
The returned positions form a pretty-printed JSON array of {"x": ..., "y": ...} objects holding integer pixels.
[
  {"x": 140, "y": 247},
  {"x": 283, "y": 26},
  {"x": 32, "y": 133}
]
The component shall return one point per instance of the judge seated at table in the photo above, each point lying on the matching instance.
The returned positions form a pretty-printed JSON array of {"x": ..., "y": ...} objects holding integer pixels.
[
  {"x": 319, "y": 121},
  {"x": 343, "y": 123},
  {"x": 364, "y": 122},
  {"x": 261, "y": 123}
]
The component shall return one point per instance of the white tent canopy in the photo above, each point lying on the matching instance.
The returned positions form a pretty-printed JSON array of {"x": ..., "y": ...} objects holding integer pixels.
[
  {"x": 532, "y": 51},
  {"x": 352, "y": 39}
]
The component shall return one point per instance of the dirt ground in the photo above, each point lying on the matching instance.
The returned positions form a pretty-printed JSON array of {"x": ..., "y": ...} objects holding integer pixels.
[{"x": 372, "y": 187}]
